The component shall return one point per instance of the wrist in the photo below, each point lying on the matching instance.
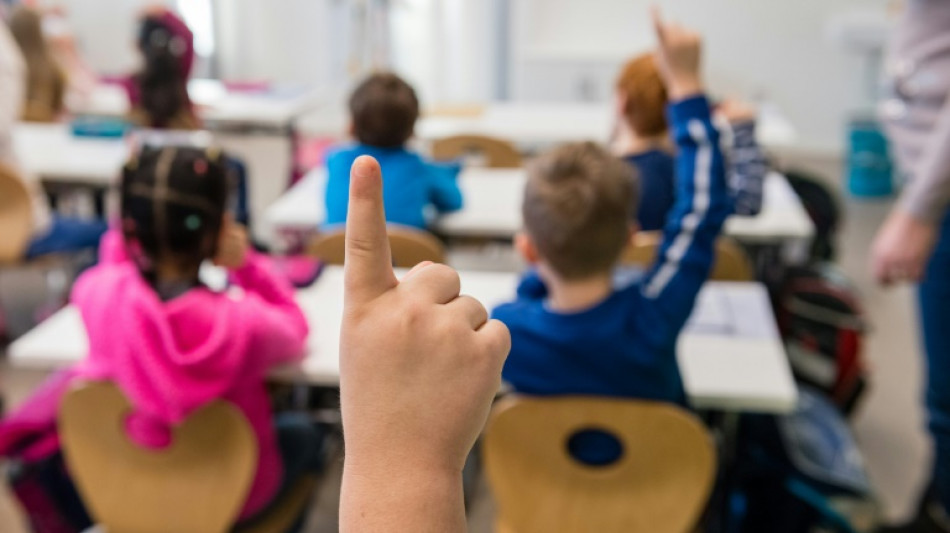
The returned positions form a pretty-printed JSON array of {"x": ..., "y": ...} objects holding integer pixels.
[
  {"x": 685, "y": 87},
  {"x": 402, "y": 465},
  {"x": 393, "y": 498}
]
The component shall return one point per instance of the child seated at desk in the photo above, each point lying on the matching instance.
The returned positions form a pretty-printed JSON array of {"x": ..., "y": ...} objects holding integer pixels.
[
  {"x": 643, "y": 140},
  {"x": 50, "y": 233},
  {"x": 173, "y": 345},
  {"x": 383, "y": 114},
  {"x": 573, "y": 331},
  {"x": 158, "y": 94}
]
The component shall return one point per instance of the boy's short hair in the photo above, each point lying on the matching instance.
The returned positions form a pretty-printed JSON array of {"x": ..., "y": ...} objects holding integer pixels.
[
  {"x": 579, "y": 203},
  {"x": 646, "y": 94},
  {"x": 384, "y": 109}
]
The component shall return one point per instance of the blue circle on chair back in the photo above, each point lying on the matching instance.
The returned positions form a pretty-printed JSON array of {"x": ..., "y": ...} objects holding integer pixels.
[{"x": 594, "y": 447}]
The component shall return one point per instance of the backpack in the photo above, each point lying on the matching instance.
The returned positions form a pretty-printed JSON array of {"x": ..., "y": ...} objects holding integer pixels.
[
  {"x": 823, "y": 208},
  {"x": 822, "y": 323},
  {"x": 47, "y": 496},
  {"x": 37, "y": 473},
  {"x": 801, "y": 473}
]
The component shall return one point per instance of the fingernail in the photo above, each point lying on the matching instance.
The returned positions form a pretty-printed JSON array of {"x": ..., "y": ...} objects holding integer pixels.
[{"x": 362, "y": 167}]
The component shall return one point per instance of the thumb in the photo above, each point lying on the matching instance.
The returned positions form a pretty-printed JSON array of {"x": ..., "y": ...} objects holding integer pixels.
[{"x": 368, "y": 260}]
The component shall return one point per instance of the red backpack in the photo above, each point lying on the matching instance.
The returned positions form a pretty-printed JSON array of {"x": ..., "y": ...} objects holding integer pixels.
[{"x": 823, "y": 326}]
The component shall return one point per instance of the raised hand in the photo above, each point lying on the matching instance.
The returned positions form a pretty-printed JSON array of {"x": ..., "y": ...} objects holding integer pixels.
[
  {"x": 679, "y": 53},
  {"x": 233, "y": 245},
  {"x": 418, "y": 369}
]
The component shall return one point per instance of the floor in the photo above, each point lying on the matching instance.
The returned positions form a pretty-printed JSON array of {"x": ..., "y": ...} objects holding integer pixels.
[{"x": 889, "y": 424}]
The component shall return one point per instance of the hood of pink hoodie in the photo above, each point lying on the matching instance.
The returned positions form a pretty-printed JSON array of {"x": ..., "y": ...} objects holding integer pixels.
[{"x": 169, "y": 358}]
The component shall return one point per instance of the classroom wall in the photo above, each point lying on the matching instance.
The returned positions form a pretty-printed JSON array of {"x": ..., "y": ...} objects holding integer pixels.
[
  {"x": 776, "y": 50},
  {"x": 287, "y": 41},
  {"x": 105, "y": 30},
  {"x": 456, "y": 50}
]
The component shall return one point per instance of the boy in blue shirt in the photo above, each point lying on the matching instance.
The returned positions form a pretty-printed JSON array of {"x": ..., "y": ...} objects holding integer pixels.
[
  {"x": 572, "y": 330},
  {"x": 642, "y": 138},
  {"x": 383, "y": 111}
]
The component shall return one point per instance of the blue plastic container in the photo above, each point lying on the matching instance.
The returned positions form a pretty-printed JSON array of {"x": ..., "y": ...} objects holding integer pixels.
[
  {"x": 870, "y": 168},
  {"x": 100, "y": 127}
]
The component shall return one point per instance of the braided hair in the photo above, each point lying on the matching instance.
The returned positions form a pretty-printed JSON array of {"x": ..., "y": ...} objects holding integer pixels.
[{"x": 173, "y": 202}]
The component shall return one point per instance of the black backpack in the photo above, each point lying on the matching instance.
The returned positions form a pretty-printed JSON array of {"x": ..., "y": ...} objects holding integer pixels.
[{"x": 823, "y": 208}]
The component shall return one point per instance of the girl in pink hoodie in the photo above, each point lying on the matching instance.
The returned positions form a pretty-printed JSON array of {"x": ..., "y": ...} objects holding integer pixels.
[{"x": 173, "y": 345}]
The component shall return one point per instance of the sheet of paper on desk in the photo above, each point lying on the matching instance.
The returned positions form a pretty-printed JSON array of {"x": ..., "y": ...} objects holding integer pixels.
[{"x": 733, "y": 310}]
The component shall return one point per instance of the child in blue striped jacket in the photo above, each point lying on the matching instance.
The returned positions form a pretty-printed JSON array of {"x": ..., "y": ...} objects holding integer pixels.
[{"x": 573, "y": 331}]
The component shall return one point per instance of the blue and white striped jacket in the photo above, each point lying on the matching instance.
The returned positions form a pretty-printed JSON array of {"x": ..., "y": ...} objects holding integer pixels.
[{"x": 625, "y": 346}]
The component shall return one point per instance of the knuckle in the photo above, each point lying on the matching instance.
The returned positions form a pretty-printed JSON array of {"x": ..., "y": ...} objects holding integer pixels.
[
  {"x": 445, "y": 273},
  {"x": 359, "y": 246},
  {"x": 414, "y": 311}
]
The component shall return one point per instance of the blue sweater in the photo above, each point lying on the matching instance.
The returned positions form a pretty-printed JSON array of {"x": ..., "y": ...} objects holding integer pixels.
[
  {"x": 410, "y": 185},
  {"x": 657, "y": 187},
  {"x": 625, "y": 346},
  {"x": 746, "y": 167}
]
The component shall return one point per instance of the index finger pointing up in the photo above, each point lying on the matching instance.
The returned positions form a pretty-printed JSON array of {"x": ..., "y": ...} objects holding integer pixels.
[
  {"x": 658, "y": 26},
  {"x": 368, "y": 259}
]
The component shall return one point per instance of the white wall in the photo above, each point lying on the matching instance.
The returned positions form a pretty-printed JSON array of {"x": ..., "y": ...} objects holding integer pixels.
[
  {"x": 287, "y": 41},
  {"x": 766, "y": 48},
  {"x": 105, "y": 31},
  {"x": 450, "y": 48},
  {"x": 446, "y": 48}
]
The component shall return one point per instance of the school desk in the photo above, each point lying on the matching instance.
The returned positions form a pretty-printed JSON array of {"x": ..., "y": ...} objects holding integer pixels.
[
  {"x": 51, "y": 152},
  {"x": 730, "y": 355},
  {"x": 492, "y": 208},
  {"x": 532, "y": 125},
  {"x": 270, "y": 108}
]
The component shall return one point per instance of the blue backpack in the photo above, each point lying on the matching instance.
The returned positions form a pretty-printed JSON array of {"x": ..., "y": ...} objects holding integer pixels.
[{"x": 800, "y": 472}]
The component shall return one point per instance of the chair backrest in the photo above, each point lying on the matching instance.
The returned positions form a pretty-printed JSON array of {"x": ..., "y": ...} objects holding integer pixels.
[
  {"x": 497, "y": 153},
  {"x": 16, "y": 216},
  {"x": 732, "y": 263},
  {"x": 659, "y": 484},
  {"x": 409, "y": 246},
  {"x": 199, "y": 483}
]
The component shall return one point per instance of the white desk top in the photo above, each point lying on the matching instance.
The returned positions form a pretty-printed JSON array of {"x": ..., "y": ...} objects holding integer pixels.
[
  {"x": 533, "y": 125},
  {"x": 272, "y": 108},
  {"x": 52, "y": 152},
  {"x": 730, "y": 357},
  {"x": 493, "y": 208}
]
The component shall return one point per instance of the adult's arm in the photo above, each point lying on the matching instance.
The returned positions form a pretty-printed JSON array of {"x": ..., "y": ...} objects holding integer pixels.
[{"x": 927, "y": 197}]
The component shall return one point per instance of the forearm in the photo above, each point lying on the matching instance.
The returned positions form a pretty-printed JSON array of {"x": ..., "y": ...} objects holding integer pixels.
[
  {"x": 927, "y": 196},
  {"x": 385, "y": 499}
]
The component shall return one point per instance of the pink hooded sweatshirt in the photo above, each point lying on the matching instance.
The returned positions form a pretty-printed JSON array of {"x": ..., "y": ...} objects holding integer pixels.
[{"x": 171, "y": 358}]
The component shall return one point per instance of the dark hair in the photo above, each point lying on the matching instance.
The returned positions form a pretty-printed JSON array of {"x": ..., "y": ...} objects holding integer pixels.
[
  {"x": 163, "y": 82},
  {"x": 578, "y": 205},
  {"x": 384, "y": 109},
  {"x": 173, "y": 201},
  {"x": 641, "y": 82}
]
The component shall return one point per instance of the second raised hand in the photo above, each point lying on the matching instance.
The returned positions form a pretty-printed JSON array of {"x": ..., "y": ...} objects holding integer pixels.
[{"x": 679, "y": 57}]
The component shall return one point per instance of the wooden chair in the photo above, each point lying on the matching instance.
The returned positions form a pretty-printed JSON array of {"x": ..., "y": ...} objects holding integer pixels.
[
  {"x": 16, "y": 217},
  {"x": 497, "y": 153},
  {"x": 197, "y": 484},
  {"x": 732, "y": 263},
  {"x": 659, "y": 484},
  {"x": 409, "y": 246}
]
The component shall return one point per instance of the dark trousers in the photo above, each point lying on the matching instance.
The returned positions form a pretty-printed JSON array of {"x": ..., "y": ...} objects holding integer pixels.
[{"x": 934, "y": 298}]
